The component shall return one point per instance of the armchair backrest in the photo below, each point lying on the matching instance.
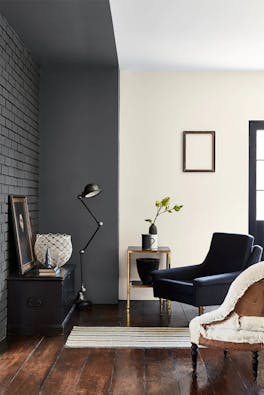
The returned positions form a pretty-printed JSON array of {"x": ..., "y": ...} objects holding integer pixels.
[
  {"x": 252, "y": 302},
  {"x": 229, "y": 252},
  {"x": 255, "y": 255},
  {"x": 245, "y": 295}
]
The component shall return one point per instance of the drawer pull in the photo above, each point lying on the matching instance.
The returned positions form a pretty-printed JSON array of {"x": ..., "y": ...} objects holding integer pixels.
[{"x": 34, "y": 302}]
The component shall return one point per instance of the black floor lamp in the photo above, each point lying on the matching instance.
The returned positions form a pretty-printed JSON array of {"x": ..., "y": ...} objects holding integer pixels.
[{"x": 89, "y": 191}]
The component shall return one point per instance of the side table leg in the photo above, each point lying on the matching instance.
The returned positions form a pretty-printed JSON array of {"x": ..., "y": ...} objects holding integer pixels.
[
  {"x": 128, "y": 317},
  {"x": 128, "y": 281},
  {"x": 128, "y": 288}
]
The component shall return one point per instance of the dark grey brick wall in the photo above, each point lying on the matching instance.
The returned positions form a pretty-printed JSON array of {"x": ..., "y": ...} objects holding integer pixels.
[{"x": 19, "y": 141}]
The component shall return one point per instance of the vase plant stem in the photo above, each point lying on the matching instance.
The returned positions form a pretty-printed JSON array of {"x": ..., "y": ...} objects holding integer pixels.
[{"x": 163, "y": 204}]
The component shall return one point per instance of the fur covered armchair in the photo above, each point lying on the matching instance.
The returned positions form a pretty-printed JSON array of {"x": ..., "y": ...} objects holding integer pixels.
[{"x": 238, "y": 323}]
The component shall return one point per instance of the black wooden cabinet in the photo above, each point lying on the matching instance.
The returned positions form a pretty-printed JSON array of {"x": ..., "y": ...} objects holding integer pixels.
[{"x": 40, "y": 305}]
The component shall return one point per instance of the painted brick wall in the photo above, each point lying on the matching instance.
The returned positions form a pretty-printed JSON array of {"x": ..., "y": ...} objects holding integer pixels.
[{"x": 19, "y": 142}]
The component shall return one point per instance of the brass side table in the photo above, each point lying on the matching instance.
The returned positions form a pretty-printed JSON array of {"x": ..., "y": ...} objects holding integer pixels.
[{"x": 138, "y": 284}]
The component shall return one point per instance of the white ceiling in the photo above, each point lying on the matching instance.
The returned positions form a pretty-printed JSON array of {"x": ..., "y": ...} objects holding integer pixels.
[{"x": 189, "y": 34}]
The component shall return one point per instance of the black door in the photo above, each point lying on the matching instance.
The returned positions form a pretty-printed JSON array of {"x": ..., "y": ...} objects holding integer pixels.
[{"x": 256, "y": 181}]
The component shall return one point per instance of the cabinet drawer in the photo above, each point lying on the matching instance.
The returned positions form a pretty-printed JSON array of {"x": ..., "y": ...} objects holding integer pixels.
[{"x": 34, "y": 301}]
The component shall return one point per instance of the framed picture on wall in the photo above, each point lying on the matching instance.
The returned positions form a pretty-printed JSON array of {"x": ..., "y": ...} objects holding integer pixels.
[
  {"x": 22, "y": 232},
  {"x": 199, "y": 151}
]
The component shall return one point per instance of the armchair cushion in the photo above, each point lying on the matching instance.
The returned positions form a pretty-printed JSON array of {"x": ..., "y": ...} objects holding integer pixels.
[
  {"x": 178, "y": 273},
  {"x": 171, "y": 289},
  {"x": 235, "y": 329},
  {"x": 229, "y": 323}
]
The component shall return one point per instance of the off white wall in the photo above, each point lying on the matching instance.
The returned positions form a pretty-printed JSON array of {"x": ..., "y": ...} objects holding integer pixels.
[{"x": 155, "y": 108}]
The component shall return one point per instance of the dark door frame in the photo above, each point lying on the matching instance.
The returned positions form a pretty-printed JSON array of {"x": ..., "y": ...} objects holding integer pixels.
[{"x": 256, "y": 228}]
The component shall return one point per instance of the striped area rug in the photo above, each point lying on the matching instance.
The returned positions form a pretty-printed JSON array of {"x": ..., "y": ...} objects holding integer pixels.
[{"x": 132, "y": 337}]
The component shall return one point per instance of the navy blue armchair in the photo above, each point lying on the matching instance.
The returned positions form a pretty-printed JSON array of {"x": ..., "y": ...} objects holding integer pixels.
[{"x": 207, "y": 284}]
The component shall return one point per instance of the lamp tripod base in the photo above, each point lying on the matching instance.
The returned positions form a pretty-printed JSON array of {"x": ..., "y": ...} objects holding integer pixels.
[{"x": 81, "y": 302}]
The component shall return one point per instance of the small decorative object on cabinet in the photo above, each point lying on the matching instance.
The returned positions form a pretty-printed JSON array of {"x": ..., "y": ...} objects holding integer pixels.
[
  {"x": 59, "y": 245},
  {"x": 48, "y": 264},
  {"x": 162, "y": 207},
  {"x": 48, "y": 269},
  {"x": 40, "y": 305}
]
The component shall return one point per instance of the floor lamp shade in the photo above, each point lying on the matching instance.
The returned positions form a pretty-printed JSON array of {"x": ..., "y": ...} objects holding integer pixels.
[{"x": 90, "y": 190}]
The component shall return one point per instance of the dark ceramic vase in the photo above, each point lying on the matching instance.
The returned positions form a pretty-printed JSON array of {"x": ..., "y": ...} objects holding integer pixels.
[
  {"x": 153, "y": 229},
  {"x": 144, "y": 267}
]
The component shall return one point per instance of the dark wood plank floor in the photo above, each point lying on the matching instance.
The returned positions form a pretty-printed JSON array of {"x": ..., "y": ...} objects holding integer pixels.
[{"x": 41, "y": 365}]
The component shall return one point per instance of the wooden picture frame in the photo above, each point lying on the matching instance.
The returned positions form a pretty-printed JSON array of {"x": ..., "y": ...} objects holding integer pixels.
[
  {"x": 22, "y": 232},
  {"x": 199, "y": 151}
]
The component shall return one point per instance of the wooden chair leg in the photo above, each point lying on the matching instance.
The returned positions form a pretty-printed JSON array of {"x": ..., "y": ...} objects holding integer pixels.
[
  {"x": 255, "y": 363},
  {"x": 225, "y": 353},
  {"x": 200, "y": 310},
  {"x": 194, "y": 354},
  {"x": 161, "y": 307},
  {"x": 168, "y": 305}
]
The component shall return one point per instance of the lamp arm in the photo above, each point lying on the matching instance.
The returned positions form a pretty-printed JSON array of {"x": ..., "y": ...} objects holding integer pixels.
[
  {"x": 91, "y": 238},
  {"x": 89, "y": 211},
  {"x": 99, "y": 224}
]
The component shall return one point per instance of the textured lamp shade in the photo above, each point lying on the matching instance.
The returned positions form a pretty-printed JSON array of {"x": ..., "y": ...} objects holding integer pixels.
[{"x": 91, "y": 190}]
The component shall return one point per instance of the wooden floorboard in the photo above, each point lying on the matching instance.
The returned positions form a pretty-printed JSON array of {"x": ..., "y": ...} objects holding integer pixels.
[
  {"x": 242, "y": 363},
  {"x": 18, "y": 350},
  {"x": 222, "y": 374},
  {"x": 187, "y": 383},
  {"x": 161, "y": 375},
  {"x": 129, "y": 372},
  {"x": 97, "y": 375},
  {"x": 66, "y": 373},
  {"x": 39, "y": 365},
  {"x": 42, "y": 366}
]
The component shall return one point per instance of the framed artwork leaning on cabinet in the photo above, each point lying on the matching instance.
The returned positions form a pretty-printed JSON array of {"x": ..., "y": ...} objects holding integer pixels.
[{"x": 22, "y": 232}]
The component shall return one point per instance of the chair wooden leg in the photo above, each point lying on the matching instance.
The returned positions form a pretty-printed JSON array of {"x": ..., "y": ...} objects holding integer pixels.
[
  {"x": 200, "y": 310},
  {"x": 194, "y": 354},
  {"x": 161, "y": 306},
  {"x": 255, "y": 363},
  {"x": 168, "y": 305},
  {"x": 225, "y": 353}
]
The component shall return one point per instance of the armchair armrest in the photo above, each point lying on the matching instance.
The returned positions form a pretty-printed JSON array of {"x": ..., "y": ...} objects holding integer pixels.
[
  {"x": 211, "y": 290},
  {"x": 255, "y": 255},
  {"x": 178, "y": 273},
  {"x": 216, "y": 279}
]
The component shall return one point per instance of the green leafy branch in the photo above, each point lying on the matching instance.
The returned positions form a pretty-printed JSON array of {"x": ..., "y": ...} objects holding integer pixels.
[{"x": 163, "y": 206}]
